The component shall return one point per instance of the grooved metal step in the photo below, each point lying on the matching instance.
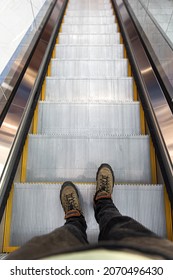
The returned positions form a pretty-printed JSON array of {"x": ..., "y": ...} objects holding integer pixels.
[
  {"x": 91, "y": 7},
  {"x": 120, "y": 89},
  {"x": 37, "y": 209},
  {"x": 89, "y": 28},
  {"x": 53, "y": 158},
  {"x": 89, "y": 39},
  {"x": 89, "y": 119},
  {"x": 88, "y": 69},
  {"x": 89, "y": 13},
  {"x": 89, "y": 20},
  {"x": 89, "y": 52}
]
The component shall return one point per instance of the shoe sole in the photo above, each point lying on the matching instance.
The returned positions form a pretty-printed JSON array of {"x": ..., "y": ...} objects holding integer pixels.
[
  {"x": 68, "y": 183},
  {"x": 109, "y": 167}
]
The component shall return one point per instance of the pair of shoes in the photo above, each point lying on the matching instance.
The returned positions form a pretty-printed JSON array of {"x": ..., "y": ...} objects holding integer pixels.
[{"x": 70, "y": 198}]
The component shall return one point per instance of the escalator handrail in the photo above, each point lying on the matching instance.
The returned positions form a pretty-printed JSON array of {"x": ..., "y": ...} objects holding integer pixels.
[
  {"x": 157, "y": 111},
  {"x": 160, "y": 70},
  {"x": 17, "y": 121}
]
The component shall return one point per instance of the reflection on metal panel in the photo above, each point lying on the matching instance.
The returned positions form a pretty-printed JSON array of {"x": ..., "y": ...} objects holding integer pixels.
[{"x": 162, "y": 48}]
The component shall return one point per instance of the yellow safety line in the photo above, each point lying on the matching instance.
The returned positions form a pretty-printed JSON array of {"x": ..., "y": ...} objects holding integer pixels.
[
  {"x": 135, "y": 92},
  {"x": 35, "y": 120},
  {"x": 168, "y": 213},
  {"x": 125, "y": 52},
  {"x": 121, "y": 39},
  {"x": 129, "y": 69},
  {"x": 43, "y": 90},
  {"x": 142, "y": 120},
  {"x": 6, "y": 242},
  {"x": 49, "y": 70},
  {"x": 153, "y": 163},
  {"x": 54, "y": 53},
  {"x": 24, "y": 161}
]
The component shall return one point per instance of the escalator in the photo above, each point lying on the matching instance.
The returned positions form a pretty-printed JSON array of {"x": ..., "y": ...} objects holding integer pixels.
[{"x": 89, "y": 112}]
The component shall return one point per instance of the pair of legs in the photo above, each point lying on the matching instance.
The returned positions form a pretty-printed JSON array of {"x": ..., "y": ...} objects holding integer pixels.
[{"x": 116, "y": 231}]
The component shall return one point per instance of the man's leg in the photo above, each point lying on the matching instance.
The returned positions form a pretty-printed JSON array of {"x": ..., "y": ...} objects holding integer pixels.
[
  {"x": 113, "y": 225},
  {"x": 71, "y": 235}
]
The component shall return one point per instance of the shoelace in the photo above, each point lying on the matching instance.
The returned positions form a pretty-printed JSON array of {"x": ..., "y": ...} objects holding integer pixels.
[
  {"x": 70, "y": 202},
  {"x": 104, "y": 183}
]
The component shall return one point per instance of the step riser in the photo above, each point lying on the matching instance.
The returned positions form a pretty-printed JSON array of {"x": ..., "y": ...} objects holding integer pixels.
[
  {"x": 89, "y": 90},
  {"x": 86, "y": 7},
  {"x": 32, "y": 202},
  {"x": 92, "y": 52},
  {"x": 90, "y": 29},
  {"x": 85, "y": 120},
  {"x": 56, "y": 158},
  {"x": 89, "y": 13},
  {"x": 89, "y": 39},
  {"x": 89, "y": 20},
  {"x": 89, "y": 69}
]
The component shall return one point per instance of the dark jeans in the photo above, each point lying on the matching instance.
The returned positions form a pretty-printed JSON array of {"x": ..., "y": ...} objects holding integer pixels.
[{"x": 117, "y": 232}]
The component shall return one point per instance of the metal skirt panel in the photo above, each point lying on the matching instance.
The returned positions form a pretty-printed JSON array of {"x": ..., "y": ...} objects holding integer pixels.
[
  {"x": 93, "y": 90},
  {"x": 37, "y": 209},
  {"x": 53, "y": 158},
  {"x": 89, "y": 119},
  {"x": 89, "y": 52},
  {"x": 89, "y": 39},
  {"x": 89, "y": 69}
]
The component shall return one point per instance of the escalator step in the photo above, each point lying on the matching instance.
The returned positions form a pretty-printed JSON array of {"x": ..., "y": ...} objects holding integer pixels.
[
  {"x": 89, "y": 52},
  {"x": 89, "y": 28},
  {"x": 89, "y": 39},
  {"x": 91, "y": 7},
  {"x": 37, "y": 209},
  {"x": 53, "y": 158},
  {"x": 120, "y": 89},
  {"x": 88, "y": 69},
  {"x": 89, "y": 119},
  {"x": 89, "y": 20},
  {"x": 89, "y": 13}
]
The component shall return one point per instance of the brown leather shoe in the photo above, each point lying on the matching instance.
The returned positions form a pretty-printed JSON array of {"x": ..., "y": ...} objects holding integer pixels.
[
  {"x": 105, "y": 182},
  {"x": 70, "y": 200}
]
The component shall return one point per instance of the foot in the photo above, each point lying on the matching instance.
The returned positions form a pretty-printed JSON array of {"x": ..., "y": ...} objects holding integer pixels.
[
  {"x": 70, "y": 200},
  {"x": 105, "y": 182}
]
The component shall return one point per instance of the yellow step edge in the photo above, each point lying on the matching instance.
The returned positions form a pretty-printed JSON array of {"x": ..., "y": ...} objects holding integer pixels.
[
  {"x": 43, "y": 90},
  {"x": 24, "y": 161},
  {"x": 142, "y": 120},
  {"x": 135, "y": 91},
  {"x": 35, "y": 120},
  {"x": 168, "y": 213},
  {"x": 153, "y": 163},
  {"x": 6, "y": 241}
]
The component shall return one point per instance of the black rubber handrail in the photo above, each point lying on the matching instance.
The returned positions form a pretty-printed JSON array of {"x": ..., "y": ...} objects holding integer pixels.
[{"x": 157, "y": 111}]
